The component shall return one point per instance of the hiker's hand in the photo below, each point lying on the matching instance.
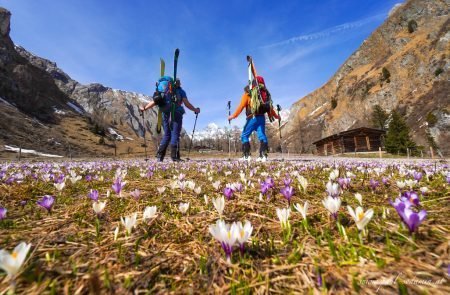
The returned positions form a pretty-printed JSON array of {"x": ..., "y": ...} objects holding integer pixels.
[
  {"x": 197, "y": 111},
  {"x": 141, "y": 108},
  {"x": 230, "y": 118}
]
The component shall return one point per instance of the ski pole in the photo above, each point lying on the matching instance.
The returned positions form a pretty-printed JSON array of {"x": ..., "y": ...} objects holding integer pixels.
[
  {"x": 192, "y": 137},
  {"x": 279, "y": 128},
  {"x": 141, "y": 113},
  {"x": 229, "y": 132}
]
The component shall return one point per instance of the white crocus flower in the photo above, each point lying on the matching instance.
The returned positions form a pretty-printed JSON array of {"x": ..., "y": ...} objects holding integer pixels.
[
  {"x": 303, "y": 182},
  {"x": 424, "y": 189},
  {"x": 129, "y": 222},
  {"x": 74, "y": 179},
  {"x": 332, "y": 204},
  {"x": 108, "y": 193},
  {"x": 98, "y": 207},
  {"x": 401, "y": 184},
  {"x": 149, "y": 212},
  {"x": 226, "y": 235},
  {"x": 333, "y": 189},
  {"x": 228, "y": 173},
  {"x": 198, "y": 190},
  {"x": 116, "y": 233},
  {"x": 190, "y": 184},
  {"x": 358, "y": 196},
  {"x": 302, "y": 209},
  {"x": 11, "y": 263},
  {"x": 219, "y": 204},
  {"x": 411, "y": 183},
  {"x": 361, "y": 218},
  {"x": 205, "y": 197},
  {"x": 283, "y": 216},
  {"x": 60, "y": 186},
  {"x": 183, "y": 207},
  {"x": 216, "y": 185},
  {"x": 334, "y": 174},
  {"x": 161, "y": 189},
  {"x": 243, "y": 232}
]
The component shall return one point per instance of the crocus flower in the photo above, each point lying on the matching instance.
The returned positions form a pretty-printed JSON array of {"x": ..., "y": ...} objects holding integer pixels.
[
  {"x": 412, "y": 197},
  {"x": 287, "y": 192},
  {"x": 228, "y": 192},
  {"x": 74, "y": 179},
  {"x": 118, "y": 186},
  {"x": 361, "y": 218},
  {"x": 11, "y": 263},
  {"x": 334, "y": 174},
  {"x": 283, "y": 216},
  {"x": 374, "y": 184},
  {"x": 216, "y": 185},
  {"x": 413, "y": 219},
  {"x": 424, "y": 190},
  {"x": 149, "y": 212},
  {"x": 3, "y": 213},
  {"x": 302, "y": 209},
  {"x": 303, "y": 182},
  {"x": 46, "y": 202},
  {"x": 358, "y": 196},
  {"x": 198, "y": 190},
  {"x": 287, "y": 181},
  {"x": 243, "y": 233},
  {"x": 183, "y": 207},
  {"x": 129, "y": 222},
  {"x": 270, "y": 182},
  {"x": 226, "y": 235},
  {"x": 400, "y": 184},
  {"x": 400, "y": 205},
  {"x": 411, "y": 183},
  {"x": 93, "y": 195},
  {"x": 98, "y": 207},
  {"x": 59, "y": 185},
  {"x": 344, "y": 182},
  {"x": 135, "y": 194},
  {"x": 161, "y": 190},
  {"x": 332, "y": 189},
  {"x": 417, "y": 175},
  {"x": 264, "y": 187},
  {"x": 219, "y": 204},
  {"x": 332, "y": 205},
  {"x": 385, "y": 180}
]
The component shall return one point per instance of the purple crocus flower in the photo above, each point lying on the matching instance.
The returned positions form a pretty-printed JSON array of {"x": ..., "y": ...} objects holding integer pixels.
[
  {"x": 118, "y": 185},
  {"x": 264, "y": 187},
  {"x": 135, "y": 194},
  {"x": 374, "y": 184},
  {"x": 448, "y": 178},
  {"x": 417, "y": 175},
  {"x": 344, "y": 182},
  {"x": 270, "y": 182},
  {"x": 287, "y": 192},
  {"x": 88, "y": 178},
  {"x": 412, "y": 197},
  {"x": 413, "y": 219},
  {"x": 3, "y": 213},
  {"x": 410, "y": 218},
  {"x": 46, "y": 202},
  {"x": 287, "y": 181},
  {"x": 23, "y": 203},
  {"x": 10, "y": 180},
  {"x": 228, "y": 193},
  {"x": 385, "y": 180},
  {"x": 93, "y": 194},
  {"x": 59, "y": 179}
]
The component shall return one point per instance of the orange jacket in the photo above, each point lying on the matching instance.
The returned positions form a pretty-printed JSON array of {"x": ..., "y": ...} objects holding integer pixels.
[{"x": 245, "y": 102}]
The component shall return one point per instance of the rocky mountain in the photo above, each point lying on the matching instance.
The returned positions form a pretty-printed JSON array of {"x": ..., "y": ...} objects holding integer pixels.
[
  {"x": 403, "y": 66},
  {"x": 45, "y": 109}
]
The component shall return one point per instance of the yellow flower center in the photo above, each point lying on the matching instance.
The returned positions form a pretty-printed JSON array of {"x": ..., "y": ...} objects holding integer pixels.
[
  {"x": 14, "y": 255},
  {"x": 360, "y": 216},
  {"x": 242, "y": 233}
]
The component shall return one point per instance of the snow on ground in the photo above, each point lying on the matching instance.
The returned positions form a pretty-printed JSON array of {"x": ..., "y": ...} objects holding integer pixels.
[
  {"x": 25, "y": 151},
  {"x": 115, "y": 134},
  {"x": 58, "y": 111},
  {"x": 75, "y": 108}
]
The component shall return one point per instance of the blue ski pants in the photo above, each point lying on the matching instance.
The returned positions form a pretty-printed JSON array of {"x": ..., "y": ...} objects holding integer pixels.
[
  {"x": 171, "y": 136},
  {"x": 258, "y": 124}
]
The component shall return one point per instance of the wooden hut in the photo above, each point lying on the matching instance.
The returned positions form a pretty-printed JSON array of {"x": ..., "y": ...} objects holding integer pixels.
[{"x": 356, "y": 140}]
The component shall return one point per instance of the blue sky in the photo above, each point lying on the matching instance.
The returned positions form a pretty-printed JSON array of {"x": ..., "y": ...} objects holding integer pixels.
[{"x": 296, "y": 45}]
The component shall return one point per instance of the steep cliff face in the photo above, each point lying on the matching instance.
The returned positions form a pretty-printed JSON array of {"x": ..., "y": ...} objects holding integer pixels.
[
  {"x": 403, "y": 65},
  {"x": 33, "y": 89}
]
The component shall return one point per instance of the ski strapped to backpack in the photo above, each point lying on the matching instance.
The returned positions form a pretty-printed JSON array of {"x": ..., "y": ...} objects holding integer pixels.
[
  {"x": 162, "y": 68},
  {"x": 261, "y": 100},
  {"x": 174, "y": 98}
]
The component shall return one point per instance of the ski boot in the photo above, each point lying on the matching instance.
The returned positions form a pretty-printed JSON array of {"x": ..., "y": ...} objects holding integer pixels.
[
  {"x": 262, "y": 152},
  {"x": 161, "y": 153},
  {"x": 246, "y": 152},
  {"x": 174, "y": 153}
]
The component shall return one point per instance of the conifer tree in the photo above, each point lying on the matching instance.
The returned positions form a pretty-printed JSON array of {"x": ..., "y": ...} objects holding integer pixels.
[
  {"x": 397, "y": 136},
  {"x": 379, "y": 117}
]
